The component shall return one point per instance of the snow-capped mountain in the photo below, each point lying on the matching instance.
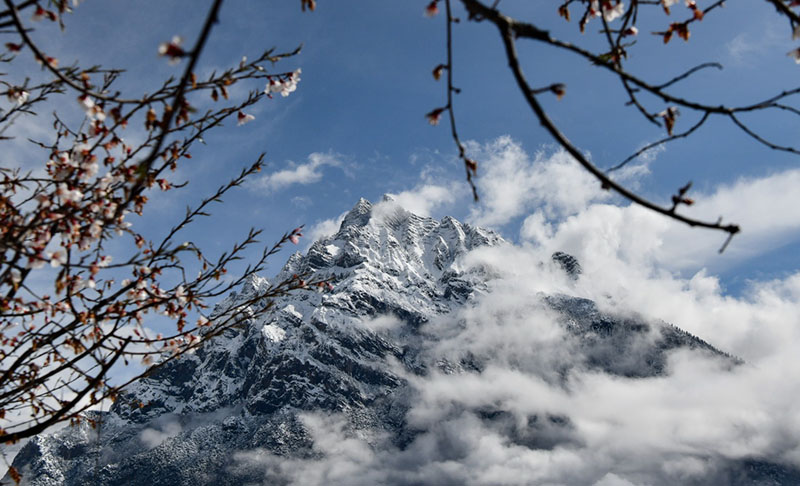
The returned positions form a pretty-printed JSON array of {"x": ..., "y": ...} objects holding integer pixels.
[{"x": 323, "y": 373}]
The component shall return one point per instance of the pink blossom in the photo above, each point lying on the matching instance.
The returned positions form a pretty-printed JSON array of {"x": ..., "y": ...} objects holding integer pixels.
[
  {"x": 36, "y": 261},
  {"x": 17, "y": 95},
  {"x": 610, "y": 10},
  {"x": 96, "y": 229},
  {"x": 57, "y": 258},
  {"x": 180, "y": 294},
  {"x": 434, "y": 116},
  {"x": 295, "y": 235},
  {"x": 243, "y": 118},
  {"x": 286, "y": 86},
  {"x": 67, "y": 194},
  {"x": 41, "y": 14},
  {"x": 172, "y": 50},
  {"x": 667, "y": 4}
]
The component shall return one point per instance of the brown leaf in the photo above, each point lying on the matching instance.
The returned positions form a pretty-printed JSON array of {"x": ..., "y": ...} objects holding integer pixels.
[
  {"x": 564, "y": 12},
  {"x": 438, "y": 70}
]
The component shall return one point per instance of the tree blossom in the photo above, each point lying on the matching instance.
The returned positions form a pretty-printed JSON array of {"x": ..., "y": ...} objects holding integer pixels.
[
  {"x": 57, "y": 258},
  {"x": 243, "y": 118},
  {"x": 17, "y": 95},
  {"x": 295, "y": 235},
  {"x": 667, "y": 4},
  {"x": 93, "y": 111},
  {"x": 631, "y": 31},
  {"x": 68, "y": 214},
  {"x": 669, "y": 115},
  {"x": 41, "y": 14},
  {"x": 472, "y": 165},
  {"x": 285, "y": 86},
  {"x": 35, "y": 261},
  {"x": 697, "y": 12},
  {"x": 438, "y": 70},
  {"x": 96, "y": 229},
  {"x": 172, "y": 50},
  {"x": 180, "y": 294},
  {"x": 67, "y": 194},
  {"x": 49, "y": 60},
  {"x": 434, "y": 116},
  {"x": 610, "y": 10}
]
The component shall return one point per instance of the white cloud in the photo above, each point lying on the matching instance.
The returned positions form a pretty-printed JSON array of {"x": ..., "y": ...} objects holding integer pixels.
[
  {"x": 323, "y": 228},
  {"x": 512, "y": 184},
  {"x": 303, "y": 174},
  {"x": 564, "y": 206},
  {"x": 664, "y": 430},
  {"x": 151, "y": 437},
  {"x": 759, "y": 206},
  {"x": 427, "y": 198},
  {"x": 658, "y": 431},
  {"x": 748, "y": 48}
]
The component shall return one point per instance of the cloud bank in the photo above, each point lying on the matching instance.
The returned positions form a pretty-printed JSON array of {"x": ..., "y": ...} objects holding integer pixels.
[{"x": 699, "y": 423}]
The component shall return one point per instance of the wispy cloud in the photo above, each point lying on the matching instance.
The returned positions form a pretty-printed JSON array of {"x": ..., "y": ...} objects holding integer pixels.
[
  {"x": 302, "y": 174},
  {"x": 747, "y": 48}
]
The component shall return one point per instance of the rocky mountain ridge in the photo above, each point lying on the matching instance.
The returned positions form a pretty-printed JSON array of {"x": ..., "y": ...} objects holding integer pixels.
[{"x": 351, "y": 353}]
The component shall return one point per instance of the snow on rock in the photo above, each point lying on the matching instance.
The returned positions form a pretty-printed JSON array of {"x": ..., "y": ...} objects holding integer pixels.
[
  {"x": 289, "y": 309},
  {"x": 345, "y": 352},
  {"x": 273, "y": 333}
]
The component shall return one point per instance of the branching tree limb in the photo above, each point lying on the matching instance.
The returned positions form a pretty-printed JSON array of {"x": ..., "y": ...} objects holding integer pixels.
[
  {"x": 58, "y": 344},
  {"x": 619, "y": 26}
]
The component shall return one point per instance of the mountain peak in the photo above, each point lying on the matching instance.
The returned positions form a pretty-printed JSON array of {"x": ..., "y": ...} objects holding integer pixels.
[
  {"x": 358, "y": 216},
  {"x": 363, "y": 352}
]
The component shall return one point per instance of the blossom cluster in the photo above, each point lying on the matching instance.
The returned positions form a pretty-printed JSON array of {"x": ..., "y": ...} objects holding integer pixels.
[
  {"x": 283, "y": 85},
  {"x": 61, "y": 223},
  {"x": 610, "y": 10}
]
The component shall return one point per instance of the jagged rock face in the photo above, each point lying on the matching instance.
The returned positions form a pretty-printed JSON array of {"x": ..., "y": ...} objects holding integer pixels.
[
  {"x": 568, "y": 263},
  {"x": 332, "y": 352}
]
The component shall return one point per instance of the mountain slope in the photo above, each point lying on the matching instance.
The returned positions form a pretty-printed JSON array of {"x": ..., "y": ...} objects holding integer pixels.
[{"x": 249, "y": 406}]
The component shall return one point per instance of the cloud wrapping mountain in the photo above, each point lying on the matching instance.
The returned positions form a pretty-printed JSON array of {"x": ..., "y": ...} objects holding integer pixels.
[{"x": 446, "y": 355}]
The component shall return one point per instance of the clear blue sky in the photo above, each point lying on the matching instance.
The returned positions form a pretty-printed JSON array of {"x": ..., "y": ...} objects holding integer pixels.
[{"x": 366, "y": 85}]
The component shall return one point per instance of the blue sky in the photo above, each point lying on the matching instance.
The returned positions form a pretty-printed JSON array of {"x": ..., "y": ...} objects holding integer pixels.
[{"x": 356, "y": 128}]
